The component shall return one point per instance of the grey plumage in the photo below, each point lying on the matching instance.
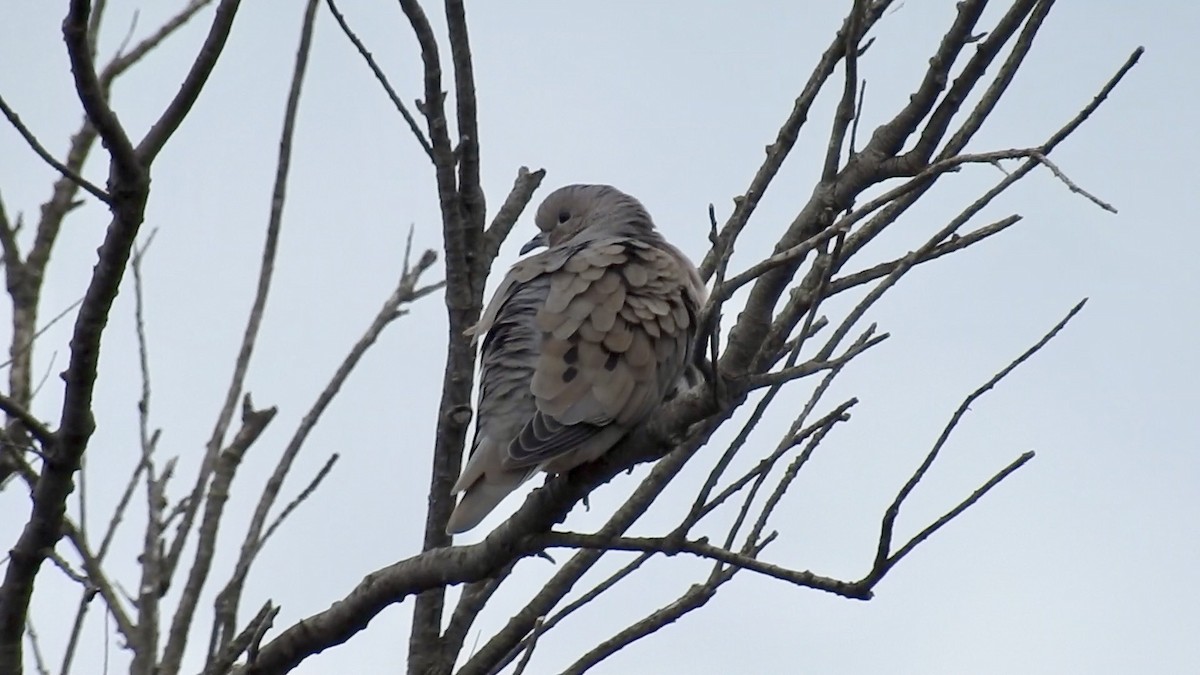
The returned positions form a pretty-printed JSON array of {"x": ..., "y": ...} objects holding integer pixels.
[{"x": 581, "y": 343}]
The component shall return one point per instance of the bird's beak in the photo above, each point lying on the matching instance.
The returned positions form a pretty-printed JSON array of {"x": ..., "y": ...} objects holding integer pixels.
[{"x": 538, "y": 241}]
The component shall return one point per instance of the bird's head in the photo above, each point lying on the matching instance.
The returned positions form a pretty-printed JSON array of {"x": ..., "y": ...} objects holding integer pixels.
[{"x": 578, "y": 213}]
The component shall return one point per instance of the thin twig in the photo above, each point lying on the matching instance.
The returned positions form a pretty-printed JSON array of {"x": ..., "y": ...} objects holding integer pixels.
[
  {"x": 153, "y": 584},
  {"x": 1071, "y": 184},
  {"x": 814, "y": 366},
  {"x": 245, "y": 640},
  {"x": 958, "y": 509},
  {"x": 35, "y": 646},
  {"x": 792, "y": 439},
  {"x": 227, "y": 600},
  {"x": 304, "y": 494},
  {"x": 65, "y": 568},
  {"x": 787, "y": 136},
  {"x": 41, "y": 151},
  {"x": 889, "y": 519},
  {"x": 524, "y": 186},
  {"x": 49, "y": 324},
  {"x": 181, "y": 622},
  {"x": 382, "y": 79},
  {"x": 254, "y": 422},
  {"x": 124, "y": 60},
  {"x": 701, "y": 548},
  {"x": 529, "y": 647},
  {"x": 35, "y": 426}
]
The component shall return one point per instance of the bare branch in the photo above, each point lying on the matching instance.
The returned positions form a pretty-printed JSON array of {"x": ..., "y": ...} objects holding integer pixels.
[
  {"x": 701, "y": 547},
  {"x": 123, "y": 60},
  {"x": 8, "y": 238},
  {"x": 726, "y": 290},
  {"x": 49, "y": 324},
  {"x": 65, "y": 568},
  {"x": 789, "y": 476},
  {"x": 504, "y": 220},
  {"x": 94, "y": 24},
  {"x": 382, "y": 79},
  {"x": 98, "y": 579},
  {"x": 461, "y": 202},
  {"x": 261, "y": 292},
  {"x": 473, "y": 599},
  {"x": 129, "y": 189},
  {"x": 304, "y": 494},
  {"x": 32, "y": 423},
  {"x": 86, "y": 598},
  {"x": 954, "y": 243},
  {"x": 189, "y": 91},
  {"x": 153, "y": 584},
  {"x": 244, "y": 641},
  {"x": 786, "y": 139},
  {"x": 41, "y": 151},
  {"x": 957, "y": 510},
  {"x": 1071, "y": 185},
  {"x": 470, "y": 192},
  {"x": 254, "y": 422},
  {"x": 889, "y": 138},
  {"x": 39, "y": 661},
  {"x": 94, "y": 98},
  {"x": 844, "y": 114},
  {"x": 695, "y": 597},
  {"x": 889, "y": 518},
  {"x": 530, "y": 644},
  {"x": 228, "y": 599},
  {"x": 808, "y": 368},
  {"x": 502, "y": 646},
  {"x": 705, "y": 506}
]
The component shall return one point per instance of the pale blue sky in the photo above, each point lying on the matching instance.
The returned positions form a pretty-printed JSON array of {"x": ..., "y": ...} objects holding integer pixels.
[{"x": 1078, "y": 564}]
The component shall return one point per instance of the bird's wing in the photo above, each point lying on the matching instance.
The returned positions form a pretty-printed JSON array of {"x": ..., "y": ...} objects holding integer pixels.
[{"x": 616, "y": 330}]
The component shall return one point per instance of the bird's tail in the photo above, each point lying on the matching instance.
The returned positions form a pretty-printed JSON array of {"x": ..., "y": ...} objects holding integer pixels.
[{"x": 478, "y": 501}]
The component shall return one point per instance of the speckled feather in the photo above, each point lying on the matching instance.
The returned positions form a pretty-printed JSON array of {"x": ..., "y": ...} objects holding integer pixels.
[{"x": 581, "y": 343}]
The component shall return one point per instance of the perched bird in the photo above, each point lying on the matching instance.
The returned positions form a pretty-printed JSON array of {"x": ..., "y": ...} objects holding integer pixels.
[{"x": 582, "y": 342}]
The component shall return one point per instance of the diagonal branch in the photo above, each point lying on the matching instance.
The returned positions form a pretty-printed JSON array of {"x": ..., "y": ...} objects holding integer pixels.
[
  {"x": 506, "y": 217},
  {"x": 254, "y": 422},
  {"x": 228, "y": 599},
  {"x": 93, "y": 96},
  {"x": 882, "y": 560},
  {"x": 382, "y": 79},
  {"x": 42, "y": 152},
  {"x": 123, "y": 61},
  {"x": 215, "y": 461},
  {"x": 786, "y": 138},
  {"x": 193, "y": 82},
  {"x": 701, "y": 548},
  {"x": 958, "y": 509},
  {"x": 32, "y": 424}
]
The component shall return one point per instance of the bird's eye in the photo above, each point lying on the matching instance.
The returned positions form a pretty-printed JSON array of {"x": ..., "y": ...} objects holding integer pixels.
[{"x": 563, "y": 216}]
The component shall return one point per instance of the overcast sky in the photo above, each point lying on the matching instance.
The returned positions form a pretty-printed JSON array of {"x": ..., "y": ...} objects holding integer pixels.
[{"x": 1080, "y": 563}]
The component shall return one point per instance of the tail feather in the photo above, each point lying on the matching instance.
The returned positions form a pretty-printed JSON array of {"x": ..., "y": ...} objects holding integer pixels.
[{"x": 479, "y": 500}]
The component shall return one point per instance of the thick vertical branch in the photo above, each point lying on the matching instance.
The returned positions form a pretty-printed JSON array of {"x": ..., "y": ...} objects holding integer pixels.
[
  {"x": 24, "y": 280},
  {"x": 129, "y": 187},
  {"x": 462, "y": 229},
  {"x": 469, "y": 189}
]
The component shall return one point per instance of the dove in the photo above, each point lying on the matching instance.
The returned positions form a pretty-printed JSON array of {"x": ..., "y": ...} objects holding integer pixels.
[{"x": 581, "y": 343}]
